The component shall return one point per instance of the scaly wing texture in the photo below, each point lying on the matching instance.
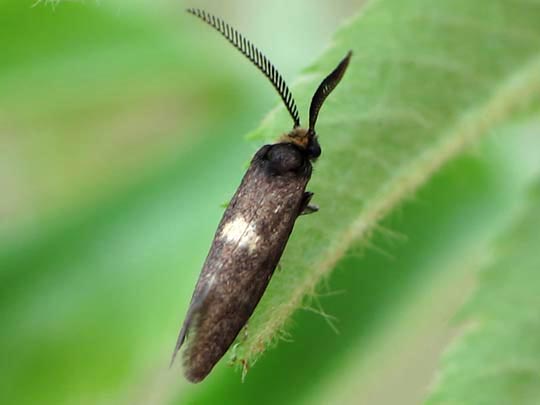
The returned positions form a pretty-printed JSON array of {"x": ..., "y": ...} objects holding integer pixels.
[{"x": 247, "y": 246}]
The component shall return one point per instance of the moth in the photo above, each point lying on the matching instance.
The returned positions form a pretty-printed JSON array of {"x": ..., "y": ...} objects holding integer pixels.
[{"x": 256, "y": 225}]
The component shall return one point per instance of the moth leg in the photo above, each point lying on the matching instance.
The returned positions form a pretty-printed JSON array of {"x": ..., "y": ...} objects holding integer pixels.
[{"x": 307, "y": 208}]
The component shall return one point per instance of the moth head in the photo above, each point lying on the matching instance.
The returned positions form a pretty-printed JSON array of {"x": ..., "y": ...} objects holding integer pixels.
[{"x": 306, "y": 139}]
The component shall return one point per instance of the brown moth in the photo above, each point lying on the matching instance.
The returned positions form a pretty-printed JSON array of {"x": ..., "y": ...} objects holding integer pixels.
[{"x": 256, "y": 225}]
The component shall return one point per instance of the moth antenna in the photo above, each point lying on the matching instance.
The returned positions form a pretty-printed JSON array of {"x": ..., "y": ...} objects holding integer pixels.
[
  {"x": 325, "y": 88},
  {"x": 255, "y": 56}
]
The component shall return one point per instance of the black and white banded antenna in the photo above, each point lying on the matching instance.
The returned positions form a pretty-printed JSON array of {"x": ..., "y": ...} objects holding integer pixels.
[{"x": 255, "y": 56}]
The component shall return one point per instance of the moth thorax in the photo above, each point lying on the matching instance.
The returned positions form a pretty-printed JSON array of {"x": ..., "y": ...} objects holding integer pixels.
[{"x": 298, "y": 136}]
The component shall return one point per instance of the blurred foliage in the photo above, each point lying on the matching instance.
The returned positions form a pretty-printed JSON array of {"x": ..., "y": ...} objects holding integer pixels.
[
  {"x": 496, "y": 361},
  {"x": 121, "y": 130}
]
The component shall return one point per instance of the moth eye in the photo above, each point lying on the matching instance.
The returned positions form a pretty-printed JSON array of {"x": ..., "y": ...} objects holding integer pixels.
[{"x": 314, "y": 149}]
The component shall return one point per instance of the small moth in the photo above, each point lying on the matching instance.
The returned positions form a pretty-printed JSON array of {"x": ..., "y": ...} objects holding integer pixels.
[{"x": 256, "y": 225}]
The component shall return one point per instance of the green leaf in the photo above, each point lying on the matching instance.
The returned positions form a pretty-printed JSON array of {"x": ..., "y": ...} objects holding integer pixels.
[
  {"x": 427, "y": 79},
  {"x": 497, "y": 360}
]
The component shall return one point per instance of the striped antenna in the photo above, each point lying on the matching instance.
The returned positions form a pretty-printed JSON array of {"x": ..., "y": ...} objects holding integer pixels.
[{"x": 255, "y": 56}]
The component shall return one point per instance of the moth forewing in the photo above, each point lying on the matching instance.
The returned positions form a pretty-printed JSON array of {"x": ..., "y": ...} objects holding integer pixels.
[
  {"x": 256, "y": 225},
  {"x": 245, "y": 251}
]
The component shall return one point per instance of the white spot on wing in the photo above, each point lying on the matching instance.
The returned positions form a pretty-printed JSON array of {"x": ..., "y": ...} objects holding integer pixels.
[
  {"x": 211, "y": 280},
  {"x": 240, "y": 232}
]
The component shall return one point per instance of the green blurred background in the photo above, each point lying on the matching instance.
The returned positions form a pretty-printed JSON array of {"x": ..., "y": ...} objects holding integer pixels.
[{"x": 122, "y": 133}]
